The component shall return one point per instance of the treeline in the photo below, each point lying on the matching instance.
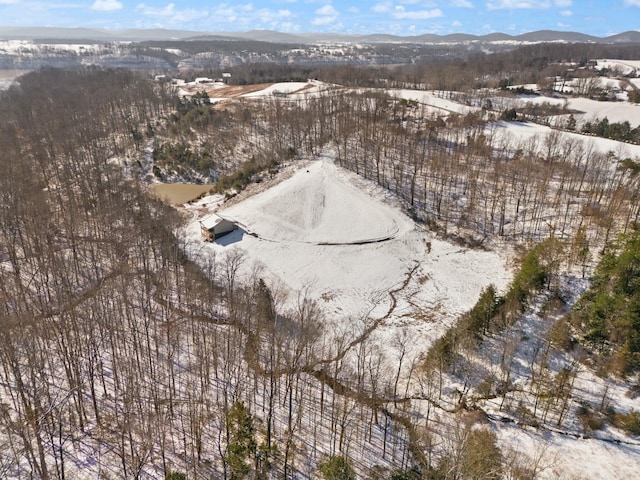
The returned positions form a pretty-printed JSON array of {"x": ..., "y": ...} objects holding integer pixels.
[
  {"x": 600, "y": 331},
  {"x": 463, "y": 174},
  {"x": 621, "y": 131},
  {"x": 458, "y": 173},
  {"x": 270, "y": 73},
  {"x": 439, "y": 68},
  {"x": 218, "y": 45},
  {"x": 180, "y": 159},
  {"x": 232, "y": 146}
]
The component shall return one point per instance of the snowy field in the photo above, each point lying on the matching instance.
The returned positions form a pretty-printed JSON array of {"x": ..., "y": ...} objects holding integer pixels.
[
  {"x": 437, "y": 102},
  {"x": 8, "y": 77},
  {"x": 343, "y": 240},
  {"x": 433, "y": 100},
  {"x": 27, "y": 46},
  {"x": 614, "y": 111},
  {"x": 284, "y": 88},
  {"x": 518, "y": 133},
  {"x": 625, "y": 67}
]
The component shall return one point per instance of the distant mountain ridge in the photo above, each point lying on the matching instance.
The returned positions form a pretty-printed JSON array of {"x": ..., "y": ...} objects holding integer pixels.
[{"x": 136, "y": 35}]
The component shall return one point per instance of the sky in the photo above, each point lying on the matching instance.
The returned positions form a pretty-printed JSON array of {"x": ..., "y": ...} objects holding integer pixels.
[{"x": 399, "y": 17}]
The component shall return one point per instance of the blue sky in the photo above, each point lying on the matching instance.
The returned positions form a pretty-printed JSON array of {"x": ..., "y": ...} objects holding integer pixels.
[{"x": 400, "y": 17}]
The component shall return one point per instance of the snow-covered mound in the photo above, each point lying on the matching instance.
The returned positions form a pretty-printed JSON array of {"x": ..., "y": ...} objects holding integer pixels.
[
  {"x": 346, "y": 243},
  {"x": 318, "y": 206}
]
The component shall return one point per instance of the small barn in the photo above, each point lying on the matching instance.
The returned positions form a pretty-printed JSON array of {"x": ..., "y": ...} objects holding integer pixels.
[{"x": 214, "y": 226}]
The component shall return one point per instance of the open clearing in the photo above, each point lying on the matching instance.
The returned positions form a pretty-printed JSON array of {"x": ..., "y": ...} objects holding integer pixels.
[{"x": 345, "y": 242}]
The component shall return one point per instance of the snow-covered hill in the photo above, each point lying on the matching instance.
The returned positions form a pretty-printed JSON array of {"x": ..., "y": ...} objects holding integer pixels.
[{"x": 331, "y": 234}]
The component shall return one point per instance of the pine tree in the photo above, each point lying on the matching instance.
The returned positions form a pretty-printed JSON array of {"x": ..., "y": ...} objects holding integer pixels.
[
  {"x": 337, "y": 468},
  {"x": 242, "y": 443}
]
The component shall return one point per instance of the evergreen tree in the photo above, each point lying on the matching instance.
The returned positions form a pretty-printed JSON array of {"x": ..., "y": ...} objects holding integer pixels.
[
  {"x": 337, "y": 468},
  {"x": 242, "y": 443},
  {"x": 609, "y": 313}
]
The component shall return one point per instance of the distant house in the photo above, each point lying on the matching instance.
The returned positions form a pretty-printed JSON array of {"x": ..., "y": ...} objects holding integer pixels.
[{"x": 214, "y": 226}]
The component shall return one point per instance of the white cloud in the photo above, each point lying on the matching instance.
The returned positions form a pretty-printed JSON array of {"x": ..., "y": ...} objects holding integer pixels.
[
  {"x": 105, "y": 5},
  {"x": 528, "y": 4},
  {"x": 166, "y": 11},
  {"x": 327, "y": 15},
  {"x": 327, "y": 11},
  {"x": 462, "y": 4},
  {"x": 9, "y": 2},
  {"x": 273, "y": 17},
  {"x": 382, "y": 7},
  {"x": 170, "y": 13},
  {"x": 219, "y": 17},
  {"x": 241, "y": 15},
  {"x": 188, "y": 15},
  {"x": 632, "y": 3},
  {"x": 402, "y": 14},
  {"x": 320, "y": 21},
  {"x": 456, "y": 23},
  {"x": 225, "y": 14},
  {"x": 566, "y": 13}
]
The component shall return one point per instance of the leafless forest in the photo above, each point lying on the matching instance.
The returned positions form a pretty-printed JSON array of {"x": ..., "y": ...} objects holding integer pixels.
[{"x": 122, "y": 358}]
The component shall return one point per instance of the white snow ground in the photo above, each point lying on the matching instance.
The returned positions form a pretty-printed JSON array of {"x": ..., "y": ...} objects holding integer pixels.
[
  {"x": 519, "y": 133},
  {"x": 346, "y": 242},
  {"x": 614, "y": 111},
  {"x": 433, "y": 100}
]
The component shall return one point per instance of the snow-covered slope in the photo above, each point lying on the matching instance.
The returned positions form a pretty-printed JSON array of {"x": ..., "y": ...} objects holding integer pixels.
[
  {"x": 318, "y": 207},
  {"x": 348, "y": 244}
]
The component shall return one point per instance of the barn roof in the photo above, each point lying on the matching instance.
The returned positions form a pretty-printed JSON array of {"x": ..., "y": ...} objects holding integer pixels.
[{"x": 213, "y": 220}]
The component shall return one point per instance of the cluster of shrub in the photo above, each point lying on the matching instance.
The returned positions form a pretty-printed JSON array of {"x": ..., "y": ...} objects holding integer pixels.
[
  {"x": 593, "y": 419},
  {"x": 251, "y": 170}
]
